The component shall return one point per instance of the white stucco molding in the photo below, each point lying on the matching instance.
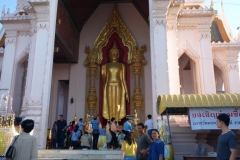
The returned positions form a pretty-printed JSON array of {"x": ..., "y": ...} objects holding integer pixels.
[
  {"x": 232, "y": 55},
  {"x": 14, "y": 17},
  {"x": 196, "y": 11},
  {"x": 15, "y": 22},
  {"x": 17, "y": 26},
  {"x": 194, "y": 3},
  {"x": 172, "y": 15},
  {"x": 187, "y": 27},
  {"x": 194, "y": 21},
  {"x": 23, "y": 54},
  {"x": 179, "y": 1},
  {"x": 10, "y": 37},
  {"x": 174, "y": 10},
  {"x": 160, "y": 8},
  {"x": 187, "y": 47},
  {"x": 234, "y": 45},
  {"x": 197, "y": 17},
  {"x": 23, "y": 4}
]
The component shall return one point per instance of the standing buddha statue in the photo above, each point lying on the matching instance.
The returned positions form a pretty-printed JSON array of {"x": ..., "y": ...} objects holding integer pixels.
[{"x": 115, "y": 92}]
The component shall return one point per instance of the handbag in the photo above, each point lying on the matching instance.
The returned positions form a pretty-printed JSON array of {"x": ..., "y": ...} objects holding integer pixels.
[{"x": 11, "y": 150}]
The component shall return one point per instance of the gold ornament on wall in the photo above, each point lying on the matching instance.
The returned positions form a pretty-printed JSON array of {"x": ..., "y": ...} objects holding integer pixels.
[
  {"x": 92, "y": 99},
  {"x": 138, "y": 60},
  {"x": 137, "y": 98},
  {"x": 92, "y": 60}
]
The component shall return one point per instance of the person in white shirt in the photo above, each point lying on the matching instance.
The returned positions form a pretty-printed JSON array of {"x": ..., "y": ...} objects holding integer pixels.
[{"x": 149, "y": 124}]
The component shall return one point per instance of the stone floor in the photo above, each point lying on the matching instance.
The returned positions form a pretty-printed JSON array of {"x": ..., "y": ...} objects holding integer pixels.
[{"x": 80, "y": 154}]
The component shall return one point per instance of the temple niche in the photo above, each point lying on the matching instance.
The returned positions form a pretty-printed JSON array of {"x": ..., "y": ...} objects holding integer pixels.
[{"x": 114, "y": 69}]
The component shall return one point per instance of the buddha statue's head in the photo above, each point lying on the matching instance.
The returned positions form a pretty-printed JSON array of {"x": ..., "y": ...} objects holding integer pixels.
[{"x": 114, "y": 53}]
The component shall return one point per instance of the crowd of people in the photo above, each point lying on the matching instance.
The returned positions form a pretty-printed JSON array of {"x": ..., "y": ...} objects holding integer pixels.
[
  {"x": 147, "y": 146},
  {"x": 72, "y": 135}
]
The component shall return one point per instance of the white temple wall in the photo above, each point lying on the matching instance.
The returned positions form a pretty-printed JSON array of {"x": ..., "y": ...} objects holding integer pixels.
[
  {"x": 188, "y": 40},
  {"x": 219, "y": 55},
  {"x": 207, "y": 63},
  {"x": 77, "y": 85},
  {"x": 232, "y": 68},
  {"x": 23, "y": 40},
  {"x": 60, "y": 72},
  {"x": 8, "y": 59},
  {"x": 190, "y": 46},
  {"x": 140, "y": 31},
  {"x": 21, "y": 55}
]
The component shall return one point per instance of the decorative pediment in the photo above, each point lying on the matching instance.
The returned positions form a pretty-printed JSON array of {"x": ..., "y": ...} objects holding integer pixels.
[
  {"x": 186, "y": 47},
  {"x": 115, "y": 24}
]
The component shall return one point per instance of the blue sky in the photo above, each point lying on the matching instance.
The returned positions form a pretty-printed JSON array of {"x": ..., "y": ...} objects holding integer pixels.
[{"x": 231, "y": 9}]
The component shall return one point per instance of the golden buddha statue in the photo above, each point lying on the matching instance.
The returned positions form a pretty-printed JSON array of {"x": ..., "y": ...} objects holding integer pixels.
[{"x": 115, "y": 92}]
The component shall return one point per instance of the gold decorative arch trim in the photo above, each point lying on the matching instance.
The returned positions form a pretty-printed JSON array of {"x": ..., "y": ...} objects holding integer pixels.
[{"x": 115, "y": 24}]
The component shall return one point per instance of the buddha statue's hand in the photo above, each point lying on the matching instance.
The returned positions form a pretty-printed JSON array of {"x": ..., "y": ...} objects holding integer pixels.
[{"x": 127, "y": 98}]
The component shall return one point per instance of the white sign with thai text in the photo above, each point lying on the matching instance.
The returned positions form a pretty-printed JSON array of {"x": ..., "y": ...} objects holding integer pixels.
[{"x": 206, "y": 118}]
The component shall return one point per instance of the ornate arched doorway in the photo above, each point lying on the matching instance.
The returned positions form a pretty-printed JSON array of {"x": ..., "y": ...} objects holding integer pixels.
[{"x": 115, "y": 31}]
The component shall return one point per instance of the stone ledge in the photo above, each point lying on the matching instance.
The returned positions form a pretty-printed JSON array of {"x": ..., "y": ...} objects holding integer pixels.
[{"x": 80, "y": 154}]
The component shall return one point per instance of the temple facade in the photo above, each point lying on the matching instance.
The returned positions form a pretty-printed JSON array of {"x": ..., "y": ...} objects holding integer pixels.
[{"x": 54, "y": 54}]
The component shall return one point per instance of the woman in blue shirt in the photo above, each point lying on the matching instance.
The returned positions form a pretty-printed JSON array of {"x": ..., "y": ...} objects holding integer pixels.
[
  {"x": 75, "y": 137},
  {"x": 156, "y": 149}
]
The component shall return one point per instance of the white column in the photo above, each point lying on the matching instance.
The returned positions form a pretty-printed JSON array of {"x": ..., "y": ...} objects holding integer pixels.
[
  {"x": 40, "y": 85},
  {"x": 173, "y": 66},
  {"x": 233, "y": 70},
  {"x": 30, "y": 68},
  {"x": 8, "y": 59},
  {"x": 206, "y": 61},
  {"x": 159, "y": 58}
]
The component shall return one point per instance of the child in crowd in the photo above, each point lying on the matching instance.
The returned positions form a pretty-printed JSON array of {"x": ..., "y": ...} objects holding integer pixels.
[
  {"x": 75, "y": 138},
  {"x": 70, "y": 130},
  {"x": 120, "y": 139}
]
